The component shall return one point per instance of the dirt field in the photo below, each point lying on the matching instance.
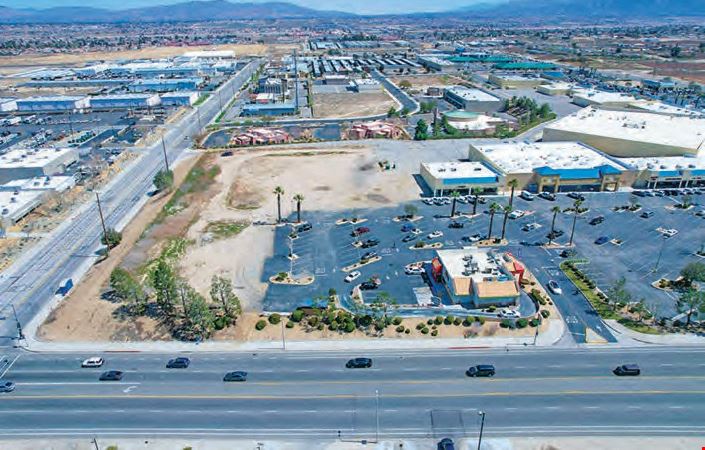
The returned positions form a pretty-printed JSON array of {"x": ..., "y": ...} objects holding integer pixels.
[
  {"x": 422, "y": 82},
  {"x": 352, "y": 104}
]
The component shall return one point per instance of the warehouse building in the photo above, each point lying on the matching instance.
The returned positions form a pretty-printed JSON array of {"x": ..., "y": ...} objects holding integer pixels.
[
  {"x": 511, "y": 81},
  {"x": 15, "y": 205},
  {"x": 630, "y": 134},
  {"x": 271, "y": 109},
  {"x": 552, "y": 166},
  {"x": 124, "y": 101},
  {"x": 166, "y": 85},
  {"x": 475, "y": 123},
  {"x": 668, "y": 172},
  {"x": 8, "y": 104},
  {"x": 556, "y": 88},
  {"x": 210, "y": 55},
  {"x": 179, "y": 98},
  {"x": 21, "y": 163},
  {"x": 436, "y": 62},
  {"x": 600, "y": 98},
  {"x": 366, "y": 85},
  {"x": 442, "y": 178},
  {"x": 40, "y": 184},
  {"x": 472, "y": 99},
  {"x": 52, "y": 104}
]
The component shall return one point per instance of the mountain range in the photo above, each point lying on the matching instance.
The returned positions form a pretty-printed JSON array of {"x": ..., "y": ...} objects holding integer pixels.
[{"x": 207, "y": 10}]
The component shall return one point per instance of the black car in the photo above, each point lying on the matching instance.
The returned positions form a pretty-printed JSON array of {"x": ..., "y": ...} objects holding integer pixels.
[
  {"x": 359, "y": 363},
  {"x": 456, "y": 225},
  {"x": 304, "y": 227},
  {"x": 646, "y": 214},
  {"x": 626, "y": 370},
  {"x": 226, "y": 153},
  {"x": 555, "y": 234},
  {"x": 238, "y": 375},
  {"x": 481, "y": 370},
  {"x": 446, "y": 444},
  {"x": 601, "y": 240},
  {"x": 7, "y": 386},
  {"x": 178, "y": 363},
  {"x": 597, "y": 220},
  {"x": 111, "y": 375},
  {"x": 408, "y": 238},
  {"x": 368, "y": 285},
  {"x": 576, "y": 196},
  {"x": 370, "y": 243}
]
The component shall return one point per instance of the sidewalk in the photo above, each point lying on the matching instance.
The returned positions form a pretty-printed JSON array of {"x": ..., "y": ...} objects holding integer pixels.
[
  {"x": 546, "y": 339},
  {"x": 624, "y": 335}
]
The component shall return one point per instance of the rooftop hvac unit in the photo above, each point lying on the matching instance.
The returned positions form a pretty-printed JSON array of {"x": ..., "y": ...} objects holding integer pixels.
[{"x": 5, "y": 211}]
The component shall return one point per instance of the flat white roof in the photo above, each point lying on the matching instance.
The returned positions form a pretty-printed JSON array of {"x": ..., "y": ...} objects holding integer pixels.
[
  {"x": 479, "y": 263},
  {"x": 604, "y": 97},
  {"x": 53, "y": 98},
  {"x": 472, "y": 95},
  {"x": 515, "y": 77},
  {"x": 48, "y": 183},
  {"x": 210, "y": 54},
  {"x": 679, "y": 131},
  {"x": 520, "y": 157},
  {"x": 14, "y": 206},
  {"x": 663, "y": 108},
  {"x": 667, "y": 163},
  {"x": 453, "y": 169},
  {"x": 32, "y": 158}
]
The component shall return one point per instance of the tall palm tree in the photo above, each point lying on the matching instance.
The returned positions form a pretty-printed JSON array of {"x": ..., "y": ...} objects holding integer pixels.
[
  {"x": 513, "y": 183},
  {"x": 476, "y": 194},
  {"x": 494, "y": 207},
  {"x": 279, "y": 191},
  {"x": 576, "y": 208},
  {"x": 507, "y": 210},
  {"x": 454, "y": 196},
  {"x": 298, "y": 198},
  {"x": 555, "y": 210}
]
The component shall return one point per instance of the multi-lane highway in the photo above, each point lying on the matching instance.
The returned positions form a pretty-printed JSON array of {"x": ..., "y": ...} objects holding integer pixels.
[
  {"x": 33, "y": 279},
  {"x": 405, "y": 394}
]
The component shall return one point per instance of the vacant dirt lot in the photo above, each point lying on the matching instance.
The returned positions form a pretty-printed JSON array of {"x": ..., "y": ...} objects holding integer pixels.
[
  {"x": 421, "y": 82},
  {"x": 351, "y": 104}
]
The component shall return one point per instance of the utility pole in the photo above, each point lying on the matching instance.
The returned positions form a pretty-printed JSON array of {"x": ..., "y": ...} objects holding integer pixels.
[
  {"x": 102, "y": 222},
  {"x": 166, "y": 160},
  {"x": 95, "y": 443},
  {"x": 20, "y": 334},
  {"x": 283, "y": 336},
  {"x": 198, "y": 114},
  {"x": 377, "y": 415},
  {"x": 482, "y": 427}
]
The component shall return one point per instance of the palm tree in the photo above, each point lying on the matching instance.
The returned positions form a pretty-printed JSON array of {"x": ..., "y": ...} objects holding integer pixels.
[
  {"x": 298, "y": 198},
  {"x": 507, "y": 210},
  {"x": 494, "y": 207},
  {"x": 454, "y": 196},
  {"x": 476, "y": 193},
  {"x": 279, "y": 191},
  {"x": 555, "y": 210},
  {"x": 513, "y": 183},
  {"x": 576, "y": 208}
]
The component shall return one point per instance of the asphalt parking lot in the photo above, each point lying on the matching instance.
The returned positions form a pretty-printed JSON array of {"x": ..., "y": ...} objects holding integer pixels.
[{"x": 642, "y": 257}]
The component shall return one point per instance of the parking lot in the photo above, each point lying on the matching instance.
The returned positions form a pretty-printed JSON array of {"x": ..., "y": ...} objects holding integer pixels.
[{"x": 642, "y": 257}]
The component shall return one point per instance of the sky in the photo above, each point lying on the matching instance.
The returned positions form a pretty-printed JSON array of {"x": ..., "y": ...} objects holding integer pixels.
[{"x": 355, "y": 6}]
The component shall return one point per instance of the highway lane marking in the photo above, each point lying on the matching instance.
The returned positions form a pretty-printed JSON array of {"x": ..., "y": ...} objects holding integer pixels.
[
  {"x": 10, "y": 366},
  {"x": 73, "y": 383}
]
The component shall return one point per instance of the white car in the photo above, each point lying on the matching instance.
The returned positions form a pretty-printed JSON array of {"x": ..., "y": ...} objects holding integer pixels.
[
  {"x": 352, "y": 276},
  {"x": 509, "y": 313},
  {"x": 413, "y": 269},
  {"x": 526, "y": 195},
  {"x": 553, "y": 287},
  {"x": 94, "y": 361},
  {"x": 517, "y": 213},
  {"x": 435, "y": 234},
  {"x": 428, "y": 201},
  {"x": 416, "y": 232},
  {"x": 670, "y": 232}
]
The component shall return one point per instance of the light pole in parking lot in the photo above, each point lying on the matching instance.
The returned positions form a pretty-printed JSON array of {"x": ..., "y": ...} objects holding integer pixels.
[
  {"x": 482, "y": 428},
  {"x": 20, "y": 334}
]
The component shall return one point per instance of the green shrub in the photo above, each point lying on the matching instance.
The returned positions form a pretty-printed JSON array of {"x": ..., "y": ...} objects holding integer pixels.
[
  {"x": 333, "y": 326},
  {"x": 349, "y": 327},
  {"x": 434, "y": 333},
  {"x": 492, "y": 308},
  {"x": 438, "y": 320},
  {"x": 313, "y": 321},
  {"x": 297, "y": 315},
  {"x": 275, "y": 318},
  {"x": 332, "y": 292},
  {"x": 457, "y": 321},
  {"x": 112, "y": 447},
  {"x": 534, "y": 322},
  {"x": 467, "y": 322},
  {"x": 435, "y": 327},
  {"x": 506, "y": 323},
  {"x": 259, "y": 326},
  {"x": 429, "y": 322},
  {"x": 448, "y": 320},
  {"x": 481, "y": 320},
  {"x": 290, "y": 324},
  {"x": 545, "y": 313},
  {"x": 400, "y": 329},
  {"x": 320, "y": 326},
  {"x": 396, "y": 321},
  {"x": 424, "y": 330},
  {"x": 220, "y": 323},
  {"x": 522, "y": 323},
  {"x": 407, "y": 331}
]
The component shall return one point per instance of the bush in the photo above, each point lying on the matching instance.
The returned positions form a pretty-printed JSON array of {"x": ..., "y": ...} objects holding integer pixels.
[
  {"x": 365, "y": 321},
  {"x": 545, "y": 313},
  {"x": 424, "y": 330},
  {"x": 400, "y": 329},
  {"x": 332, "y": 292},
  {"x": 420, "y": 325},
  {"x": 320, "y": 326},
  {"x": 467, "y": 322},
  {"x": 438, "y": 320},
  {"x": 448, "y": 320},
  {"x": 259, "y": 326},
  {"x": 349, "y": 327},
  {"x": 297, "y": 315},
  {"x": 407, "y": 331},
  {"x": 492, "y": 308},
  {"x": 522, "y": 323},
  {"x": 457, "y": 321},
  {"x": 290, "y": 324},
  {"x": 396, "y": 321},
  {"x": 480, "y": 320},
  {"x": 275, "y": 318},
  {"x": 111, "y": 238},
  {"x": 333, "y": 326},
  {"x": 220, "y": 323},
  {"x": 434, "y": 333},
  {"x": 506, "y": 323},
  {"x": 313, "y": 321},
  {"x": 434, "y": 327},
  {"x": 534, "y": 322},
  {"x": 429, "y": 322}
]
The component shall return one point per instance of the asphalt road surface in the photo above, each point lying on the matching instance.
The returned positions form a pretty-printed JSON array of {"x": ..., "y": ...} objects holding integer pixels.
[
  {"x": 313, "y": 396},
  {"x": 33, "y": 279}
]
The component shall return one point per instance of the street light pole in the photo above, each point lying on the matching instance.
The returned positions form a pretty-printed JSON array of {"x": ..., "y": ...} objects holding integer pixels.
[
  {"x": 377, "y": 415},
  {"x": 166, "y": 160},
  {"x": 102, "y": 222},
  {"x": 658, "y": 259},
  {"x": 283, "y": 336},
  {"x": 20, "y": 334},
  {"x": 482, "y": 427}
]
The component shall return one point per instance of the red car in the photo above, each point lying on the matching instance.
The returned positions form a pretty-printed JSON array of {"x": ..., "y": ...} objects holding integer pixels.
[{"x": 360, "y": 230}]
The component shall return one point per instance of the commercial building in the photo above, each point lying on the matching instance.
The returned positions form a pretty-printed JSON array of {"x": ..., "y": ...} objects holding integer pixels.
[
  {"x": 272, "y": 109},
  {"x": 478, "y": 277},
  {"x": 8, "y": 104},
  {"x": 472, "y": 99},
  {"x": 557, "y": 88},
  {"x": 668, "y": 172},
  {"x": 435, "y": 62},
  {"x": 630, "y": 134},
  {"x": 210, "y": 55},
  {"x": 511, "y": 81},
  {"x": 601, "y": 98},
  {"x": 179, "y": 98},
  {"x": 166, "y": 85},
  {"x": 475, "y": 123},
  {"x": 124, "y": 101},
  {"x": 40, "y": 184},
  {"x": 337, "y": 80},
  {"x": 377, "y": 129},
  {"x": 261, "y": 136},
  {"x": 15, "y": 205},
  {"x": 50, "y": 104},
  {"x": 552, "y": 166},
  {"x": 21, "y": 163},
  {"x": 442, "y": 178},
  {"x": 366, "y": 85}
]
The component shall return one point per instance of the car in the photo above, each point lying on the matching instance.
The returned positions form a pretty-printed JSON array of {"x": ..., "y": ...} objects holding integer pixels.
[
  {"x": 7, "y": 386},
  {"x": 94, "y": 361},
  {"x": 474, "y": 238},
  {"x": 408, "y": 238},
  {"x": 481, "y": 370},
  {"x": 414, "y": 269},
  {"x": 370, "y": 243},
  {"x": 227, "y": 153},
  {"x": 639, "y": 193},
  {"x": 548, "y": 196},
  {"x": 528, "y": 196},
  {"x": 481, "y": 200},
  {"x": 555, "y": 234},
  {"x": 576, "y": 196},
  {"x": 369, "y": 286},
  {"x": 553, "y": 287},
  {"x": 359, "y": 363},
  {"x": 568, "y": 253},
  {"x": 700, "y": 213},
  {"x": 435, "y": 234},
  {"x": 627, "y": 370},
  {"x": 531, "y": 226},
  {"x": 406, "y": 228},
  {"x": 446, "y": 444},
  {"x": 178, "y": 363},
  {"x": 368, "y": 256},
  {"x": 597, "y": 220},
  {"x": 509, "y": 313},
  {"x": 428, "y": 201},
  {"x": 304, "y": 227},
  {"x": 238, "y": 375},
  {"x": 111, "y": 375},
  {"x": 646, "y": 214},
  {"x": 670, "y": 232},
  {"x": 352, "y": 276},
  {"x": 516, "y": 214},
  {"x": 416, "y": 231},
  {"x": 456, "y": 225},
  {"x": 602, "y": 240},
  {"x": 359, "y": 230}
]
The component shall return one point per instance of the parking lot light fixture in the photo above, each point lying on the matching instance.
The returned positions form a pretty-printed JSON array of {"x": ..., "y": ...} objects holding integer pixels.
[{"x": 482, "y": 428}]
